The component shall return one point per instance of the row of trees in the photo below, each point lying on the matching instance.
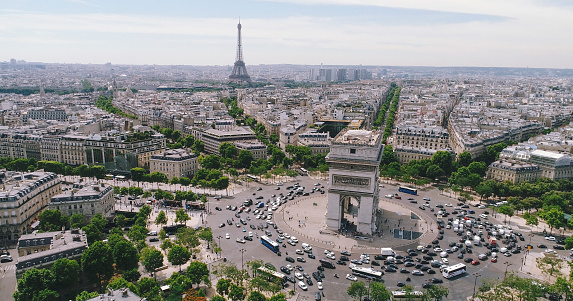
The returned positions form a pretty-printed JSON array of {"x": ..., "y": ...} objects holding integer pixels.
[
  {"x": 105, "y": 103},
  {"x": 176, "y": 140},
  {"x": 377, "y": 292},
  {"x": 391, "y": 114},
  {"x": 380, "y": 118}
]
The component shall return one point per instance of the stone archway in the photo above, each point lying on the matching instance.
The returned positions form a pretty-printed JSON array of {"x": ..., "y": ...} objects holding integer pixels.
[{"x": 354, "y": 161}]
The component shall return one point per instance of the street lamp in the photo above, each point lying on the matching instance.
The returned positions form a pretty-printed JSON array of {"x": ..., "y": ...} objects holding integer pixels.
[
  {"x": 507, "y": 264},
  {"x": 475, "y": 284},
  {"x": 242, "y": 252}
]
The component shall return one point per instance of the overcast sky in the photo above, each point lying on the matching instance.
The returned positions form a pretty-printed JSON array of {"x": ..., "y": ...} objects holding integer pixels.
[{"x": 501, "y": 33}]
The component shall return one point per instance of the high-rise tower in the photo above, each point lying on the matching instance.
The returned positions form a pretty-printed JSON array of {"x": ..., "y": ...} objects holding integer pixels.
[{"x": 239, "y": 70}]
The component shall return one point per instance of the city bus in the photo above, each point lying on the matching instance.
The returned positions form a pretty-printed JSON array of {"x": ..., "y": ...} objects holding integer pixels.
[
  {"x": 454, "y": 270},
  {"x": 269, "y": 243},
  {"x": 253, "y": 178},
  {"x": 403, "y": 295},
  {"x": 409, "y": 190},
  {"x": 326, "y": 263},
  {"x": 271, "y": 274},
  {"x": 303, "y": 170},
  {"x": 368, "y": 273}
]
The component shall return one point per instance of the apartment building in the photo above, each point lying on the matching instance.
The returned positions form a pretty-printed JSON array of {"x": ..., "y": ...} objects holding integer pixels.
[
  {"x": 23, "y": 196},
  {"x": 87, "y": 200},
  {"x": 41, "y": 250},
  {"x": 513, "y": 171},
  {"x": 258, "y": 149},
  {"x": 174, "y": 163}
]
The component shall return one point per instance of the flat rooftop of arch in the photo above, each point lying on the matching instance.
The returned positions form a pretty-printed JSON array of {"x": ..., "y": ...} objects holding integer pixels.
[{"x": 358, "y": 137}]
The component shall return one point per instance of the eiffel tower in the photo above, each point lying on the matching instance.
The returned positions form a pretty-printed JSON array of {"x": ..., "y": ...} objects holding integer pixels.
[{"x": 239, "y": 73}]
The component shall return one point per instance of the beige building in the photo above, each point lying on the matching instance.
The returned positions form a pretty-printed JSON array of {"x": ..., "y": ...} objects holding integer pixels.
[
  {"x": 513, "y": 171},
  {"x": 174, "y": 163},
  {"x": 22, "y": 198},
  {"x": 39, "y": 250},
  {"x": 87, "y": 200},
  {"x": 73, "y": 148},
  {"x": 416, "y": 137},
  {"x": 258, "y": 149}
]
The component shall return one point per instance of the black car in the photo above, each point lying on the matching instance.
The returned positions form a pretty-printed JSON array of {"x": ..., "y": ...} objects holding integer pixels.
[
  {"x": 218, "y": 208},
  {"x": 154, "y": 239},
  {"x": 390, "y": 269},
  {"x": 289, "y": 259},
  {"x": 246, "y": 237},
  {"x": 309, "y": 281},
  {"x": 285, "y": 270},
  {"x": 229, "y": 222},
  {"x": 341, "y": 262},
  {"x": 379, "y": 257},
  {"x": 426, "y": 285},
  {"x": 430, "y": 271},
  {"x": 344, "y": 258},
  {"x": 311, "y": 256},
  {"x": 404, "y": 271},
  {"x": 558, "y": 247},
  {"x": 468, "y": 260},
  {"x": 375, "y": 263},
  {"x": 436, "y": 280},
  {"x": 253, "y": 227},
  {"x": 541, "y": 246}
]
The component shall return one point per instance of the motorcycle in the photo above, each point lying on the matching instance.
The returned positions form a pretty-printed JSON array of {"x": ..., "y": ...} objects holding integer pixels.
[
  {"x": 408, "y": 279},
  {"x": 335, "y": 275}
]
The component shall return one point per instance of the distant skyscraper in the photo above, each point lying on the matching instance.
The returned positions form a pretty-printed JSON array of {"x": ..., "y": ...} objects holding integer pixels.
[{"x": 239, "y": 73}]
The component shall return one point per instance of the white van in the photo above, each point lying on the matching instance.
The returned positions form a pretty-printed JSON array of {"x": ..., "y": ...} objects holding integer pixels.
[{"x": 306, "y": 246}]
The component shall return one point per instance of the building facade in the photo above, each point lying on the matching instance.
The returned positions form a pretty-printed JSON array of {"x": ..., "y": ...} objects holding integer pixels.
[
  {"x": 22, "y": 198},
  {"x": 513, "y": 171},
  {"x": 174, "y": 163},
  {"x": 87, "y": 200}
]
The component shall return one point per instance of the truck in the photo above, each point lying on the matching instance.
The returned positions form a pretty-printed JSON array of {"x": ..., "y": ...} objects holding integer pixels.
[
  {"x": 477, "y": 240},
  {"x": 493, "y": 241},
  {"x": 387, "y": 252}
]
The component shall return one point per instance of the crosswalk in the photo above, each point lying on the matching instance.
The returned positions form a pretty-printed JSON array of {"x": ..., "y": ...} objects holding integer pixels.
[{"x": 7, "y": 270}]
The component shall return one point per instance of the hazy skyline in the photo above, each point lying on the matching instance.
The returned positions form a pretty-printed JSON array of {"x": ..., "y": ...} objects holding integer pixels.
[{"x": 512, "y": 33}]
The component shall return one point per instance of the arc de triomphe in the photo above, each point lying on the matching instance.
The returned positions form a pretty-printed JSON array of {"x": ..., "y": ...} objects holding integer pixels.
[{"x": 354, "y": 167}]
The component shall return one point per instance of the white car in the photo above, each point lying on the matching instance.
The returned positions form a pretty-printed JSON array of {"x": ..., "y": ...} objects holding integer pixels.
[
  {"x": 286, "y": 235},
  {"x": 351, "y": 277},
  {"x": 240, "y": 240},
  {"x": 330, "y": 256},
  {"x": 550, "y": 238},
  {"x": 294, "y": 239},
  {"x": 437, "y": 250},
  {"x": 289, "y": 267},
  {"x": 302, "y": 285},
  {"x": 251, "y": 233},
  {"x": 445, "y": 260},
  {"x": 227, "y": 236},
  {"x": 326, "y": 251},
  {"x": 298, "y": 275},
  {"x": 449, "y": 205},
  {"x": 319, "y": 285},
  {"x": 481, "y": 207},
  {"x": 299, "y": 252}
]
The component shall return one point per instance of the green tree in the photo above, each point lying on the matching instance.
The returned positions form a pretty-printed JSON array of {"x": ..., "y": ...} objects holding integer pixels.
[
  {"x": 245, "y": 158},
  {"x": 32, "y": 282},
  {"x": 444, "y": 160},
  {"x": 464, "y": 159},
  {"x": 553, "y": 217},
  {"x": 137, "y": 233},
  {"x": 120, "y": 220},
  {"x": 152, "y": 259},
  {"x": 77, "y": 220},
  {"x": 125, "y": 256},
  {"x": 144, "y": 211},
  {"x": 507, "y": 210},
  {"x": 85, "y": 295},
  {"x": 149, "y": 288},
  {"x": 278, "y": 297},
  {"x": 196, "y": 271},
  {"x": 47, "y": 295},
  {"x": 161, "y": 218},
  {"x": 52, "y": 220},
  {"x": 131, "y": 275},
  {"x": 256, "y": 296},
  {"x": 236, "y": 292},
  {"x": 178, "y": 255},
  {"x": 97, "y": 262},
  {"x": 357, "y": 290},
  {"x": 228, "y": 150},
  {"x": 223, "y": 286},
  {"x": 378, "y": 292},
  {"x": 218, "y": 298},
  {"x": 92, "y": 233},
  {"x": 434, "y": 171},
  {"x": 211, "y": 162},
  {"x": 181, "y": 216},
  {"x": 179, "y": 283},
  {"x": 66, "y": 273},
  {"x": 137, "y": 174}
]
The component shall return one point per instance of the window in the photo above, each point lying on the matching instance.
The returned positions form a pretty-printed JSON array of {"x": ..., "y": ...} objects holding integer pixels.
[{"x": 353, "y": 151}]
